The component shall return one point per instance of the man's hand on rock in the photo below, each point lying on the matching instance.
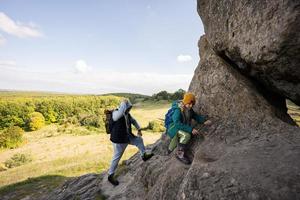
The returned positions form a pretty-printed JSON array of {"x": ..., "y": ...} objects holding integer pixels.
[{"x": 139, "y": 133}]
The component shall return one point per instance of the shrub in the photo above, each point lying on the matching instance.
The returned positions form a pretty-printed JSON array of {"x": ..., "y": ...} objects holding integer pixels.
[
  {"x": 11, "y": 137},
  {"x": 92, "y": 120},
  {"x": 3, "y": 167},
  {"x": 70, "y": 120},
  {"x": 36, "y": 121},
  {"x": 156, "y": 126},
  {"x": 18, "y": 160}
]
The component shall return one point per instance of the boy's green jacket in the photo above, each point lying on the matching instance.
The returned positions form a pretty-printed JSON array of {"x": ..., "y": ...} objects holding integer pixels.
[{"x": 177, "y": 124}]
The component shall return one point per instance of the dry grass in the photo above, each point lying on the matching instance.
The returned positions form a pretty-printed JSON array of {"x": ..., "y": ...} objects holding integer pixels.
[
  {"x": 149, "y": 111},
  {"x": 55, "y": 154},
  {"x": 294, "y": 111}
]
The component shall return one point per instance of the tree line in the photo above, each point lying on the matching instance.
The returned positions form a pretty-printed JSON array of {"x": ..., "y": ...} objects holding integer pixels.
[
  {"x": 164, "y": 95},
  {"x": 31, "y": 113}
]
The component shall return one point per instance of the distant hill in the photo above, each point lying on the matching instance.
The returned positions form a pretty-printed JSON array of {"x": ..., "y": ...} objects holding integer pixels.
[
  {"x": 16, "y": 93},
  {"x": 131, "y": 96},
  {"x": 4, "y": 92},
  {"x": 127, "y": 95}
]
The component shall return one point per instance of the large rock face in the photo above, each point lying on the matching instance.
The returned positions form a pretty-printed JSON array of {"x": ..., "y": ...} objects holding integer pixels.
[
  {"x": 249, "y": 65},
  {"x": 261, "y": 38}
]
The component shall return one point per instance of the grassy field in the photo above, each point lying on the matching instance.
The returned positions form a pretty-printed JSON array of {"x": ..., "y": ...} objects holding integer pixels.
[
  {"x": 57, "y": 156},
  {"x": 294, "y": 111}
]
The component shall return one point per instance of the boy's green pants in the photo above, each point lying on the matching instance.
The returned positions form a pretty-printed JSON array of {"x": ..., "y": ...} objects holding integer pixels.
[{"x": 181, "y": 137}]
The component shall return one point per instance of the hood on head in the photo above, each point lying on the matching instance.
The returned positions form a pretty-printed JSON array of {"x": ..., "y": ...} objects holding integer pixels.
[{"x": 125, "y": 105}]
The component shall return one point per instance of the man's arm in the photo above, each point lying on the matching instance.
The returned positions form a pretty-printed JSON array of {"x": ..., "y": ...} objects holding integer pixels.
[
  {"x": 135, "y": 123},
  {"x": 117, "y": 114}
]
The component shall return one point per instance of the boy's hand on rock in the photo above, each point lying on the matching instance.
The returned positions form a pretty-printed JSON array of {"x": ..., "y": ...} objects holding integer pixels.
[
  {"x": 204, "y": 133},
  {"x": 207, "y": 122},
  {"x": 195, "y": 132}
]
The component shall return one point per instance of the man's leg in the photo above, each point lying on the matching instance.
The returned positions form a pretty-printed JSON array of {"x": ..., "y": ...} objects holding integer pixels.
[
  {"x": 139, "y": 143},
  {"x": 118, "y": 152}
]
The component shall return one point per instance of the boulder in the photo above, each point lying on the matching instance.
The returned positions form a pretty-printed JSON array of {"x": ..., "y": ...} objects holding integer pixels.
[{"x": 260, "y": 38}]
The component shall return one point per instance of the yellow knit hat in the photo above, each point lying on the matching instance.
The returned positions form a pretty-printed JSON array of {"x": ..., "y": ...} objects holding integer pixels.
[{"x": 189, "y": 98}]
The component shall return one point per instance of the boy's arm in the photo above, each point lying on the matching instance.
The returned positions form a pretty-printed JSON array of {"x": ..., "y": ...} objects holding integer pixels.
[
  {"x": 198, "y": 118},
  {"x": 178, "y": 124}
]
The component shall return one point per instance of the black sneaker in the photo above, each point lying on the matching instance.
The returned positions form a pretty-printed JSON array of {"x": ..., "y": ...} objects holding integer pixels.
[
  {"x": 146, "y": 156},
  {"x": 112, "y": 180},
  {"x": 184, "y": 159},
  {"x": 180, "y": 155}
]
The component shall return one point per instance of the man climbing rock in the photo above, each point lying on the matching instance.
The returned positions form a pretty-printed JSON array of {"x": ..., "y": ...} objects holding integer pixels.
[
  {"x": 181, "y": 129},
  {"x": 121, "y": 136}
]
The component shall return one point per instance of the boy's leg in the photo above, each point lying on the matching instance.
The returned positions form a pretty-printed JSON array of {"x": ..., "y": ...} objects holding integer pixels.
[
  {"x": 118, "y": 152},
  {"x": 139, "y": 143},
  {"x": 184, "y": 137},
  {"x": 173, "y": 143}
]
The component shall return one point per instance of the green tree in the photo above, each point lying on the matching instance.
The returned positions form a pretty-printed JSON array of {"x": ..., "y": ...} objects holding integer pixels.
[
  {"x": 36, "y": 121},
  {"x": 17, "y": 110},
  {"x": 178, "y": 94},
  {"x": 162, "y": 95}
]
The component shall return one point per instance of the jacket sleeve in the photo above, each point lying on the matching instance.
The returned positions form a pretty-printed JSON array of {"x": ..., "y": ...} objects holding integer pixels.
[
  {"x": 178, "y": 124},
  {"x": 134, "y": 123},
  {"x": 198, "y": 118},
  {"x": 117, "y": 114}
]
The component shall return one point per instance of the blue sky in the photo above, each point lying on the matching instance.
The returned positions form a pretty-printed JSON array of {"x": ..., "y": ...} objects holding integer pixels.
[{"x": 98, "y": 46}]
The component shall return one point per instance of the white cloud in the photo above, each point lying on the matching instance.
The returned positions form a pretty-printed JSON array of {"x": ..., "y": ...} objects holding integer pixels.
[
  {"x": 8, "y": 63},
  {"x": 81, "y": 66},
  {"x": 18, "y": 29},
  {"x": 92, "y": 82},
  {"x": 2, "y": 40},
  {"x": 184, "y": 58}
]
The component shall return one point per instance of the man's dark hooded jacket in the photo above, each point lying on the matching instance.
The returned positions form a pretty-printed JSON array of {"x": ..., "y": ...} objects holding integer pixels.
[{"x": 121, "y": 130}]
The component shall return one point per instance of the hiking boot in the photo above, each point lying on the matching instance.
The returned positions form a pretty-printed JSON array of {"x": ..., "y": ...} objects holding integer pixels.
[
  {"x": 147, "y": 156},
  {"x": 112, "y": 180},
  {"x": 180, "y": 154}
]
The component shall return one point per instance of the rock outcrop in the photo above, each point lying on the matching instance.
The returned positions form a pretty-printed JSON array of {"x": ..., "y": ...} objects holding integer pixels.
[
  {"x": 249, "y": 65},
  {"x": 260, "y": 38}
]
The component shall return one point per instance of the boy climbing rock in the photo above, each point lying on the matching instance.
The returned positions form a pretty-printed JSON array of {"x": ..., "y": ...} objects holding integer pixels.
[{"x": 181, "y": 129}]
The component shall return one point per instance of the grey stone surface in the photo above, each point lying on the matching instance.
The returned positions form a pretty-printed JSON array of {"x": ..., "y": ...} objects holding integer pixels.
[{"x": 261, "y": 38}]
